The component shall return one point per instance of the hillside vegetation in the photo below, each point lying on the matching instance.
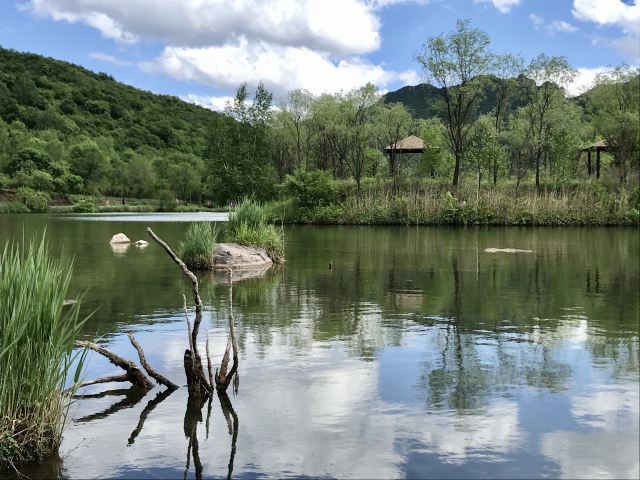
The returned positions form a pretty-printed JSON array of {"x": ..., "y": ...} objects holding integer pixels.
[{"x": 503, "y": 144}]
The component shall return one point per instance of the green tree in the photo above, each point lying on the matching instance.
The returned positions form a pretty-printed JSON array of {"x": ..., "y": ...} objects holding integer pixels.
[
  {"x": 549, "y": 75},
  {"x": 458, "y": 63},
  {"x": 393, "y": 122},
  {"x": 614, "y": 105},
  {"x": 89, "y": 162}
]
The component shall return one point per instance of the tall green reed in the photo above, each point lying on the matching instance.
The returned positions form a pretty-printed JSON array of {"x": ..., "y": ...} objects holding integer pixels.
[
  {"x": 196, "y": 249},
  {"x": 36, "y": 343}
]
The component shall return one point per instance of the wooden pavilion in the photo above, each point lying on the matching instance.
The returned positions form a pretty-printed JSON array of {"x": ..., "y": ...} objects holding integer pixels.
[
  {"x": 597, "y": 147},
  {"x": 410, "y": 144}
]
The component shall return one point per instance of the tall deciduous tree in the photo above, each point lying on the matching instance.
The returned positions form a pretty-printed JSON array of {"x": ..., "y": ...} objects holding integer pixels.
[
  {"x": 393, "y": 123},
  {"x": 458, "y": 62},
  {"x": 615, "y": 106},
  {"x": 549, "y": 75}
]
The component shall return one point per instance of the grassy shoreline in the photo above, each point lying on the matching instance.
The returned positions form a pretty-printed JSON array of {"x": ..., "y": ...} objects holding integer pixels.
[{"x": 498, "y": 206}]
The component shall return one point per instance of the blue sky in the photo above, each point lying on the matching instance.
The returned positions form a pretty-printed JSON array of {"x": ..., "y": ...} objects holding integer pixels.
[{"x": 201, "y": 50}]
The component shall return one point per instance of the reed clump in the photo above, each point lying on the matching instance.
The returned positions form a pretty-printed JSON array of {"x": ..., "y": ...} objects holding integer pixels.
[
  {"x": 36, "y": 351},
  {"x": 196, "y": 250},
  {"x": 248, "y": 225}
]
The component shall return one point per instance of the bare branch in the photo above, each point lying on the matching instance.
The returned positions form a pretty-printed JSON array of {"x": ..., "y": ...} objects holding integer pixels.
[
  {"x": 134, "y": 374},
  {"x": 153, "y": 373},
  {"x": 188, "y": 273}
]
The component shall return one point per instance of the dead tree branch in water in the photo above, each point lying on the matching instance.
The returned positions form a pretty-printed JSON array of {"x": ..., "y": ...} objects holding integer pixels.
[
  {"x": 196, "y": 381},
  {"x": 223, "y": 379},
  {"x": 153, "y": 373},
  {"x": 133, "y": 375}
]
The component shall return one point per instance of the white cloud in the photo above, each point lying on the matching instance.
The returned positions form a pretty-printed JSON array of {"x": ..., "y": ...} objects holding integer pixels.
[
  {"x": 217, "y": 103},
  {"x": 336, "y": 26},
  {"x": 312, "y": 44},
  {"x": 280, "y": 68},
  {"x": 561, "y": 26},
  {"x": 503, "y": 6},
  {"x": 536, "y": 20},
  {"x": 104, "y": 57},
  {"x": 614, "y": 13},
  {"x": 583, "y": 81},
  {"x": 553, "y": 27}
]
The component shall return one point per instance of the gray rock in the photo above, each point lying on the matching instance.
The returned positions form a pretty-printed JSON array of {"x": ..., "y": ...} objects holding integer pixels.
[
  {"x": 227, "y": 255},
  {"x": 119, "y": 238}
]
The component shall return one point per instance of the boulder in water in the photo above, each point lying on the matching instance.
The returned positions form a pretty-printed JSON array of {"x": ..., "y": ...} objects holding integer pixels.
[
  {"x": 227, "y": 255},
  {"x": 120, "y": 238},
  {"x": 141, "y": 243}
]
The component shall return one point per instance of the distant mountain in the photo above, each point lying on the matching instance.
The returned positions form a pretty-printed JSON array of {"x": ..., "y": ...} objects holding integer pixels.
[{"x": 425, "y": 100}]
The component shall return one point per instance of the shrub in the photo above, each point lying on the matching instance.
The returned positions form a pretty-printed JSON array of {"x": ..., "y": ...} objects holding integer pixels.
[
  {"x": 267, "y": 236},
  {"x": 196, "y": 250},
  {"x": 247, "y": 225},
  {"x": 13, "y": 207},
  {"x": 35, "y": 201},
  {"x": 247, "y": 212},
  {"x": 310, "y": 189},
  {"x": 85, "y": 206},
  {"x": 166, "y": 201},
  {"x": 35, "y": 351}
]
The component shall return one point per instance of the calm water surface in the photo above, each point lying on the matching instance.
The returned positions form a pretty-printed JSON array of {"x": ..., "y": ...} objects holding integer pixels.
[{"x": 418, "y": 355}]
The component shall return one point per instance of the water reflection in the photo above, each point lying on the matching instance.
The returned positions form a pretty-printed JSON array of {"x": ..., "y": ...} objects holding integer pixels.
[{"x": 416, "y": 355}]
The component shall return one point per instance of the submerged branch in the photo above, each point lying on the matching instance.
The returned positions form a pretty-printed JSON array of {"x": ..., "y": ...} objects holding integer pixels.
[{"x": 153, "y": 373}]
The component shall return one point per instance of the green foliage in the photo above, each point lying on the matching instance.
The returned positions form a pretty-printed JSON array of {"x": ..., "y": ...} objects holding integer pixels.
[
  {"x": 34, "y": 200},
  {"x": 196, "y": 250},
  {"x": 35, "y": 351},
  {"x": 85, "y": 206},
  {"x": 13, "y": 207},
  {"x": 248, "y": 212},
  {"x": 247, "y": 226},
  {"x": 310, "y": 189},
  {"x": 166, "y": 201}
]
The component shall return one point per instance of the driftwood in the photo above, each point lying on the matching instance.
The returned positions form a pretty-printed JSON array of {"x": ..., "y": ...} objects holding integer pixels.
[
  {"x": 133, "y": 375},
  {"x": 153, "y": 373},
  {"x": 196, "y": 381}
]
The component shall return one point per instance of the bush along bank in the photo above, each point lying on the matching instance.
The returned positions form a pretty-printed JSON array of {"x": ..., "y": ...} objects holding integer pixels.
[{"x": 436, "y": 205}]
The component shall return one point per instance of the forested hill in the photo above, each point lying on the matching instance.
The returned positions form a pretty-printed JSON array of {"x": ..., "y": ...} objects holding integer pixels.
[
  {"x": 425, "y": 100},
  {"x": 44, "y": 93}
]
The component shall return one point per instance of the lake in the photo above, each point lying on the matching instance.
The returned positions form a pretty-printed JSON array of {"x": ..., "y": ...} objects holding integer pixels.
[{"x": 416, "y": 355}]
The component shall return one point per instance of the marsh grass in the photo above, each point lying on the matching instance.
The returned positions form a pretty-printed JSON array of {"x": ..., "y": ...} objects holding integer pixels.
[
  {"x": 196, "y": 250},
  {"x": 437, "y": 204},
  {"x": 248, "y": 225},
  {"x": 36, "y": 343}
]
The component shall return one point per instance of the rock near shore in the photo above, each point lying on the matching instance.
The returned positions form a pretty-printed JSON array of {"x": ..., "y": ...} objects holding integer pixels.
[{"x": 234, "y": 255}]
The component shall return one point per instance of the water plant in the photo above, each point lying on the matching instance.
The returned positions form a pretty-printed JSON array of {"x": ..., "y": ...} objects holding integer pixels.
[
  {"x": 35, "y": 351},
  {"x": 248, "y": 225},
  {"x": 196, "y": 249}
]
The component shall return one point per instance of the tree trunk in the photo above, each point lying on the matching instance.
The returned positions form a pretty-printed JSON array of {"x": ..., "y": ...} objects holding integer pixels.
[{"x": 456, "y": 169}]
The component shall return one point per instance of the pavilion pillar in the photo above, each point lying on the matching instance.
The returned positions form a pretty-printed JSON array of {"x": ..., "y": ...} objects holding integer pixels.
[
  {"x": 598, "y": 163},
  {"x": 589, "y": 162}
]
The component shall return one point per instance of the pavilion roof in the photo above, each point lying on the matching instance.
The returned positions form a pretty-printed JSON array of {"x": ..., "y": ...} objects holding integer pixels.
[
  {"x": 410, "y": 143},
  {"x": 599, "y": 145}
]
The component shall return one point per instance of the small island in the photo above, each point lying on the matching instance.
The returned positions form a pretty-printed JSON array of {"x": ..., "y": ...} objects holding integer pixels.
[{"x": 248, "y": 241}]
